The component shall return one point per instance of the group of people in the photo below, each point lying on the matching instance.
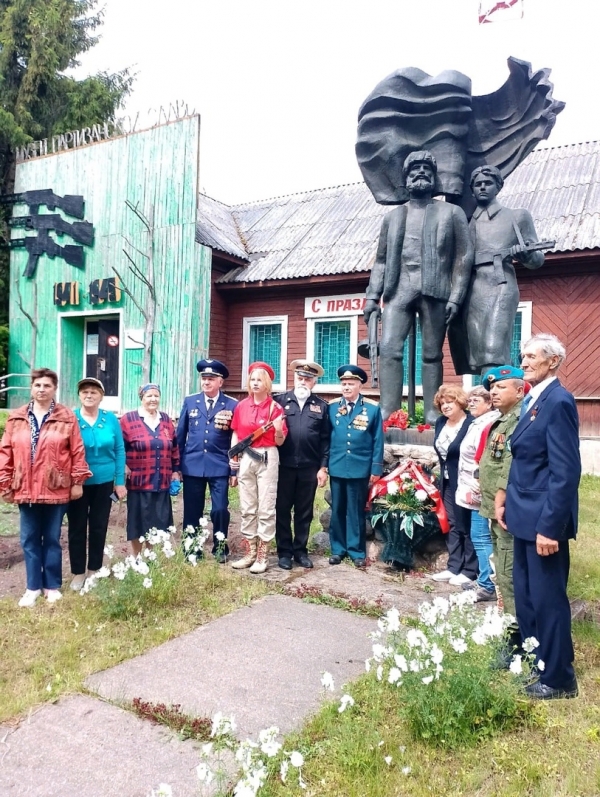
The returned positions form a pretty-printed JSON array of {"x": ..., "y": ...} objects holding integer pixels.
[
  {"x": 510, "y": 473},
  {"x": 510, "y": 469}
]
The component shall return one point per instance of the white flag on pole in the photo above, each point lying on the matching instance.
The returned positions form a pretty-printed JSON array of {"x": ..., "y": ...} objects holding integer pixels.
[{"x": 499, "y": 10}]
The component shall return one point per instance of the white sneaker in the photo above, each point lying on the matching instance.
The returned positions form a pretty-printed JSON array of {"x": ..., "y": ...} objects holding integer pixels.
[
  {"x": 459, "y": 580},
  {"x": 445, "y": 575},
  {"x": 53, "y": 595},
  {"x": 30, "y": 597},
  {"x": 78, "y": 582}
]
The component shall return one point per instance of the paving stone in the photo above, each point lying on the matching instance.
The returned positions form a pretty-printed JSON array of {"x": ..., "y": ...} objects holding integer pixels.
[
  {"x": 262, "y": 664},
  {"x": 85, "y": 746}
]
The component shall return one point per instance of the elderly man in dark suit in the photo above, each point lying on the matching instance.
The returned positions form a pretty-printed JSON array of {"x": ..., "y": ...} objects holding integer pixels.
[
  {"x": 204, "y": 439},
  {"x": 423, "y": 265},
  {"x": 540, "y": 511}
]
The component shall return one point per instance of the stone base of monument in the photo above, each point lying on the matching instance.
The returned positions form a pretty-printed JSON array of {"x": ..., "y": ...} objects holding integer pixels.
[{"x": 409, "y": 437}]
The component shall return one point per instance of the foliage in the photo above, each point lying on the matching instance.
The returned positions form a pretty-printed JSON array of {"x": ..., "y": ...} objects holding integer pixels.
[
  {"x": 3, "y": 418},
  {"x": 192, "y": 541},
  {"x": 449, "y": 695},
  {"x": 3, "y": 350},
  {"x": 172, "y": 717},
  {"x": 402, "y": 495}
]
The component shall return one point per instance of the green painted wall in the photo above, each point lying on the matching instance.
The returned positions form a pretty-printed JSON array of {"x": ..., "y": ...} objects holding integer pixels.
[{"x": 157, "y": 170}]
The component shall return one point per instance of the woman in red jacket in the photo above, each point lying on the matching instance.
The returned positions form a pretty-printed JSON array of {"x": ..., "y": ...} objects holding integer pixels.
[{"x": 42, "y": 467}]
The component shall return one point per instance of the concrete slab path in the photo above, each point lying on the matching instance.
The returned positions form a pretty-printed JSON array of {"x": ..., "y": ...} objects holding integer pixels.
[{"x": 262, "y": 664}]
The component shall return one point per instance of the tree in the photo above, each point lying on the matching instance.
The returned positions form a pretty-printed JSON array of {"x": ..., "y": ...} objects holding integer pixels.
[{"x": 39, "y": 41}]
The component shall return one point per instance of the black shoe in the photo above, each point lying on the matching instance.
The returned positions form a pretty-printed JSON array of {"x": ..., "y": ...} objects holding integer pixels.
[
  {"x": 303, "y": 561},
  {"x": 335, "y": 560},
  {"x": 285, "y": 563},
  {"x": 221, "y": 556},
  {"x": 540, "y": 691},
  {"x": 361, "y": 563}
]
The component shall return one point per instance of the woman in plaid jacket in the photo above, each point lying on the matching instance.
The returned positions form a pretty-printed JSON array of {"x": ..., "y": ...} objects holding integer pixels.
[{"x": 152, "y": 458}]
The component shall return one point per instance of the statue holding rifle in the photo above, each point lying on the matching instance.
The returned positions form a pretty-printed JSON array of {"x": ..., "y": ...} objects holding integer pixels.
[
  {"x": 423, "y": 265},
  {"x": 480, "y": 336}
]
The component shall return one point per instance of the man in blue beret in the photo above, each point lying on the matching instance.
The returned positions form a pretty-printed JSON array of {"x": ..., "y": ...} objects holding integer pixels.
[
  {"x": 355, "y": 460},
  {"x": 204, "y": 440},
  {"x": 505, "y": 384}
]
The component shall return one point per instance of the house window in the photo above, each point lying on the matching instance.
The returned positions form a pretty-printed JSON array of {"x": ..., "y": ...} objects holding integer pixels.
[
  {"x": 265, "y": 339},
  {"x": 521, "y": 333},
  {"x": 332, "y": 346}
]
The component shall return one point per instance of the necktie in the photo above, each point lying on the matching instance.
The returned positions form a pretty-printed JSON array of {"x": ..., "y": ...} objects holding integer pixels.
[
  {"x": 210, "y": 403},
  {"x": 526, "y": 402},
  {"x": 350, "y": 407}
]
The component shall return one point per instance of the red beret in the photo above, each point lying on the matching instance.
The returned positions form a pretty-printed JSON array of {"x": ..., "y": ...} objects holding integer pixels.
[{"x": 264, "y": 366}]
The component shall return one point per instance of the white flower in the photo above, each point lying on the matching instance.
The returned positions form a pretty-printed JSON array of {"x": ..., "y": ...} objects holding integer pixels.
[
  {"x": 187, "y": 543},
  {"x": 142, "y": 540},
  {"x": 168, "y": 552},
  {"x": 296, "y": 758},
  {"x": 390, "y": 622},
  {"x": 327, "y": 681},
  {"x": 189, "y": 529},
  {"x": 392, "y": 488},
  {"x": 346, "y": 701},
  {"x": 459, "y": 645},
  {"x": 416, "y": 638},
  {"x": 205, "y": 774},
  {"x": 420, "y": 495},
  {"x": 406, "y": 770},
  {"x": 222, "y": 725},
  {"x": 147, "y": 582},
  {"x": 414, "y": 665},
  {"x": 379, "y": 672},
  {"x": 395, "y": 675},
  {"x": 192, "y": 559},
  {"x": 151, "y": 556},
  {"x": 368, "y": 665},
  {"x": 171, "y": 529},
  {"x": 401, "y": 662},
  {"x": 104, "y": 572},
  {"x": 207, "y": 748},
  {"x": 530, "y": 644},
  {"x": 109, "y": 551},
  {"x": 402, "y": 748},
  {"x": 381, "y": 652},
  {"x": 516, "y": 667},
  {"x": 283, "y": 769},
  {"x": 437, "y": 655},
  {"x": 267, "y": 741},
  {"x": 388, "y": 759},
  {"x": 405, "y": 477},
  {"x": 428, "y": 679},
  {"x": 219, "y": 536},
  {"x": 541, "y": 665},
  {"x": 203, "y": 522}
]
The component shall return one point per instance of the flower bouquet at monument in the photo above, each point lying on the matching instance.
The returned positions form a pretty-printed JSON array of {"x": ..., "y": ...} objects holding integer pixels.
[{"x": 407, "y": 507}]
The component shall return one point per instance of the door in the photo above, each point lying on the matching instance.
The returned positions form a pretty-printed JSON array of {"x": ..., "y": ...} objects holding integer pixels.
[{"x": 102, "y": 353}]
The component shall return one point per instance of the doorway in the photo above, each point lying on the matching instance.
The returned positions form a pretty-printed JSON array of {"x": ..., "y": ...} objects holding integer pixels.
[{"x": 102, "y": 356}]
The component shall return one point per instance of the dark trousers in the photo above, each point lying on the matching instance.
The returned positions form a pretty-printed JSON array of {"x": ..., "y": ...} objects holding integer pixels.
[
  {"x": 347, "y": 531},
  {"x": 461, "y": 553},
  {"x": 194, "y": 498},
  {"x": 296, "y": 489},
  {"x": 91, "y": 511},
  {"x": 543, "y": 609},
  {"x": 40, "y": 540}
]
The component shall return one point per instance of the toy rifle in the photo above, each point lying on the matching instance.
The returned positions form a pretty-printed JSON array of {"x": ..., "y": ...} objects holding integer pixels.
[
  {"x": 497, "y": 257},
  {"x": 80, "y": 231},
  {"x": 244, "y": 445},
  {"x": 69, "y": 204}
]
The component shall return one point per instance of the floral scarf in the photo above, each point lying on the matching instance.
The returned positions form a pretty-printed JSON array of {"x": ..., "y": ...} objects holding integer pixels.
[{"x": 33, "y": 425}]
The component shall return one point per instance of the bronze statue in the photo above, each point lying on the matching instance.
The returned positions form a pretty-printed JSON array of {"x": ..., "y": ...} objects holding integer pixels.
[
  {"x": 423, "y": 265},
  {"x": 480, "y": 336}
]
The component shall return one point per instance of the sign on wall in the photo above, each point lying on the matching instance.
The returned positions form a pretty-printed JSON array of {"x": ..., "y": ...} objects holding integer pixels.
[{"x": 328, "y": 306}]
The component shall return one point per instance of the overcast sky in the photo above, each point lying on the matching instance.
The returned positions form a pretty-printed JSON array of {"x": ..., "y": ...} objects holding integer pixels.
[{"x": 278, "y": 83}]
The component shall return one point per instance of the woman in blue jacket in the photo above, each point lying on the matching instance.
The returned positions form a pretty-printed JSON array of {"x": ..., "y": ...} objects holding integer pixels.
[{"x": 105, "y": 454}]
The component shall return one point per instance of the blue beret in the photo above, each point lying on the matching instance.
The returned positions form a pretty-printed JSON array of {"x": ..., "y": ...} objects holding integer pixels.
[
  {"x": 212, "y": 368},
  {"x": 500, "y": 373},
  {"x": 351, "y": 372}
]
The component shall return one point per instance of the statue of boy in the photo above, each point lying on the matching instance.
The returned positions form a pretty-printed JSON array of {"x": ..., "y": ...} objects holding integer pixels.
[{"x": 423, "y": 265}]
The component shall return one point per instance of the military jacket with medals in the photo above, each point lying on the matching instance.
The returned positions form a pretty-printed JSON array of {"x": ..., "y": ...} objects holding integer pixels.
[
  {"x": 356, "y": 448},
  {"x": 307, "y": 441},
  {"x": 496, "y": 459},
  {"x": 204, "y": 438}
]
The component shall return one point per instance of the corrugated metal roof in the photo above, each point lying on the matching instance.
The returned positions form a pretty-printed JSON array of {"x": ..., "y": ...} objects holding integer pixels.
[
  {"x": 217, "y": 228},
  {"x": 335, "y": 230}
]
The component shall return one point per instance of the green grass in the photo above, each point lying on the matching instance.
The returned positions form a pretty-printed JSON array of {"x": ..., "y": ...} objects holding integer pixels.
[
  {"x": 584, "y": 580},
  {"x": 50, "y": 650},
  {"x": 9, "y": 520}
]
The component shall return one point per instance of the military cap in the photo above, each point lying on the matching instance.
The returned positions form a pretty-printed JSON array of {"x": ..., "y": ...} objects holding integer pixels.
[
  {"x": 265, "y": 367},
  {"x": 306, "y": 368},
  {"x": 352, "y": 372},
  {"x": 212, "y": 368},
  {"x": 90, "y": 381},
  {"x": 500, "y": 373}
]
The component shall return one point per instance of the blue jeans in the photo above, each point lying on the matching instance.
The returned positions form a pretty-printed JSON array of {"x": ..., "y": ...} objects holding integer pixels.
[
  {"x": 40, "y": 540},
  {"x": 482, "y": 542}
]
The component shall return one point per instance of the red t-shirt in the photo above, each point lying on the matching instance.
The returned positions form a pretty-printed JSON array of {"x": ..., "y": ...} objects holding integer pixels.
[{"x": 249, "y": 416}]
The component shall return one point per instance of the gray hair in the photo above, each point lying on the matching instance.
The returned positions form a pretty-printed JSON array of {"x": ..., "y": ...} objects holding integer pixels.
[
  {"x": 479, "y": 390},
  {"x": 549, "y": 345}
]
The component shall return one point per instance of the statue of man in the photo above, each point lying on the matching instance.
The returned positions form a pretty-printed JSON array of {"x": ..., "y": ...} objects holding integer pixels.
[
  {"x": 423, "y": 266},
  {"x": 482, "y": 338}
]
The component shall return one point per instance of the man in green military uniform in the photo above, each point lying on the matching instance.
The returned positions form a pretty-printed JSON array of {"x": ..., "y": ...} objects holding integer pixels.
[
  {"x": 355, "y": 460},
  {"x": 506, "y": 386}
]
